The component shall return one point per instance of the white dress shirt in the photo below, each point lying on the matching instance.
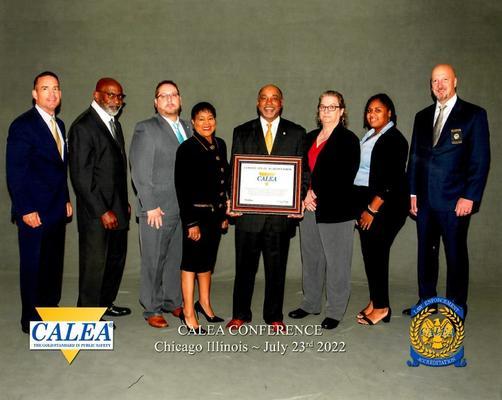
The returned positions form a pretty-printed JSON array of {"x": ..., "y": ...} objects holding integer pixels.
[
  {"x": 180, "y": 126},
  {"x": 47, "y": 119},
  {"x": 275, "y": 125}
]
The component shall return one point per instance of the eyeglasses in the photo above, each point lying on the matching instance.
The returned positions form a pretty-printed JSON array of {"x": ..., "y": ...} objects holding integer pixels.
[
  {"x": 113, "y": 96},
  {"x": 330, "y": 108},
  {"x": 167, "y": 95}
]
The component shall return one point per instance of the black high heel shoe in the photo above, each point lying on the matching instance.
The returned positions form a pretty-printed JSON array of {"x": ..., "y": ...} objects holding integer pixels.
[
  {"x": 191, "y": 330},
  {"x": 199, "y": 309},
  {"x": 369, "y": 322}
]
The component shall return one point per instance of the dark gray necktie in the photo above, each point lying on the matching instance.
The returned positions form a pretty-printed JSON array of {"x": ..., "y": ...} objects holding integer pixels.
[
  {"x": 113, "y": 128},
  {"x": 436, "y": 131}
]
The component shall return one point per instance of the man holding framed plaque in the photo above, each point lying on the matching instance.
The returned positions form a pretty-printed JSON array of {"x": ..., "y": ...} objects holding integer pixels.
[{"x": 265, "y": 230}]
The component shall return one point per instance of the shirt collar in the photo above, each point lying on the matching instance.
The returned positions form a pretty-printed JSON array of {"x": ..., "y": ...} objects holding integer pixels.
[
  {"x": 450, "y": 103},
  {"x": 275, "y": 124},
  {"x": 44, "y": 114},
  {"x": 170, "y": 121},
  {"x": 389, "y": 125},
  {"x": 102, "y": 113}
]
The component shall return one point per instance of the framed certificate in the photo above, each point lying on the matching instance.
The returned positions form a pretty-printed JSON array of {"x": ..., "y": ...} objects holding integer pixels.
[{"x": 266, "y": 184}]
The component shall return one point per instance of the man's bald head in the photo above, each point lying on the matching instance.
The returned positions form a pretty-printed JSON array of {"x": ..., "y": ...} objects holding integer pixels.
[
  {"x": 443, "y": 82},
  {"x": 269, "y": 102},
  {"x": 109, "y": 95}
]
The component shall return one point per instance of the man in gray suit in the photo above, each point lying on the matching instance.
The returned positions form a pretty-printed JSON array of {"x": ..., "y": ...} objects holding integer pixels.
[{"x": 152, "y": 156}]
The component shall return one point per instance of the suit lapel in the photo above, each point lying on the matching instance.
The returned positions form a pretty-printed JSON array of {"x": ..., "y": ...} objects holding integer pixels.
[
  {"x": 450, "y": 122},
  {"x": 47, "y": 138},
  {"x": 166, "y": 127},
  {"x": 280, "y": 138},
  {"x": 119, "y": 143},
  {"x": 186, "y": 127},
  {"x": 259, "y": 136},
  {"x": 429, "y": 125}
]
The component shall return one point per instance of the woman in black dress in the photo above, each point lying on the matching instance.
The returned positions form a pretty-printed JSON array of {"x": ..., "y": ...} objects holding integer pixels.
[
  {"x": 383, "y": 200},
  {"x": 201, "y": 177}
]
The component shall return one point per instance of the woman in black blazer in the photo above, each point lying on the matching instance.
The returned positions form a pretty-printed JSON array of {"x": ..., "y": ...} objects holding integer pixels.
[
  {"x": 382, "y": 197},
  {"x": 327, "y": 230},
  {"x": 201, "y": 178}
]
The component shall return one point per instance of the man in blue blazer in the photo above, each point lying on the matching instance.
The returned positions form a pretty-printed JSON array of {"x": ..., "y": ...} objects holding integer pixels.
[
  {"x": 447, "y": 170},
  {"x": 37, "y": 182}
]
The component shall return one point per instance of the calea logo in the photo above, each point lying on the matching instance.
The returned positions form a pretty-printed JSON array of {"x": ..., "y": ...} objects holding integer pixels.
[{"x": 71, "y": 329}]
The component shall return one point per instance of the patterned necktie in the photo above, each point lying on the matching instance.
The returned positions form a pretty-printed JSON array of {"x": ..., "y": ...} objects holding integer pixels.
[
  {"x": 177, "y": 131},
  {"x": 436, "y": 131},
  {"x": 269, "y": 141},
  {"x": 55, "y": 135},
  {"x": 113, "y": 128}
]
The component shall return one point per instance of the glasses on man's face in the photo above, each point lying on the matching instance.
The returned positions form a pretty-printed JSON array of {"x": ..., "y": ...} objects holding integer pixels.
[
  {"x": 113, "y": 96},
  {"x": 329, "y": 108},
  {"x": 165, "y": 96}
]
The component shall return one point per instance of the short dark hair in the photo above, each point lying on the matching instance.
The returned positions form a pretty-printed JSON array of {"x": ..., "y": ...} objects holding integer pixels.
[
  {"x": 202, "y": 106},
  {"x": 271, "y": 85},
  {"x": 165, "y": 82},
  {"x": 42, "y": 74},
  {"x": 386, "y": 101}
]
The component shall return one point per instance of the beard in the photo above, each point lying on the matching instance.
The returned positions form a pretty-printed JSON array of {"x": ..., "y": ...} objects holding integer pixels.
[{"x": 111, "y": 110}]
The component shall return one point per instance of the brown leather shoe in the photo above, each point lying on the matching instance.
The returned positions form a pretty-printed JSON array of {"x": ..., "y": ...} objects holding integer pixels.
[
  {"x": 236, "y": 323},
  {"x": 177, "y": 312},
  {"x": 157, "y": 321},
  {"x": 278, "y": 326}
]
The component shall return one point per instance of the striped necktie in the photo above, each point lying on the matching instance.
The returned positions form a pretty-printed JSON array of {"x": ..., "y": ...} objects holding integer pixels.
[{"x": 55, "y": 135}]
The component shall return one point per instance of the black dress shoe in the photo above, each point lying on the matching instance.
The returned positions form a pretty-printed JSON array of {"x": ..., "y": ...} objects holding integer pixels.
[
  {"x": 199, "y": 309},
  {"x": 116, "y": 311},
  {"x": 329, "y": 323},
  {"x": 25, "y": 328},
  {"x": 299, "y": 313},
  {"x": 192, "y": 330},
  {"x": 433, "y": 307}
]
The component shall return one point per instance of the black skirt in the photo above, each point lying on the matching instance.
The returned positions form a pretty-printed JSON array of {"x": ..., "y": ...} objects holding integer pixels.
[{"x": 200, "y": 256}]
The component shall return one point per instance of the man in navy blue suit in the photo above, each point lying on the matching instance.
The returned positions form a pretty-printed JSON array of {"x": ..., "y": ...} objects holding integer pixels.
[
  {"x": 447, "y": 170},
  {"x": 37, "y": 182}
]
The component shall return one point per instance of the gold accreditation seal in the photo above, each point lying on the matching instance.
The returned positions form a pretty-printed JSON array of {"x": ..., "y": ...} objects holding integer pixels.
[{"x": 436, "y": 334}]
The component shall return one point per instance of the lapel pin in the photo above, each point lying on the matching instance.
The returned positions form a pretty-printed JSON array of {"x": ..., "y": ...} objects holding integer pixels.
[{"x": 284, "y": 133}]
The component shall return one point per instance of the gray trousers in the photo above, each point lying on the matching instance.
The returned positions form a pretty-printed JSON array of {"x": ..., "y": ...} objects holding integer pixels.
[
  {"x": 161, "y": 251},
  {"x": 326, "y": 259}
]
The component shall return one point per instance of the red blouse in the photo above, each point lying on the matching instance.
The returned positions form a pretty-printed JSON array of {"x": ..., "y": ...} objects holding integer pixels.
[{"x": 314, "y": 153}]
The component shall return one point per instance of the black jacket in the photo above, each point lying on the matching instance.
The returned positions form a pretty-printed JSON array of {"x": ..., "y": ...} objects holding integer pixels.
[
  {"x": 387, "y": 172},
  {"x": 98, "y": 169},
  {"x": 248, "y": 139},
  {"x": 333, "y": 176},
  {"x": 201, "y": 178}
]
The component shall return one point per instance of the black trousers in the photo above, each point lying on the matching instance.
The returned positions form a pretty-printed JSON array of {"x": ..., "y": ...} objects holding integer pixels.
[
  {"x": 41, "y": 253},
  {"x": 102, "y": 255},
  {"x": 375, "y": 246},
  {"x": 248, "y": 246},
  {"x": 431, "y": 226}
]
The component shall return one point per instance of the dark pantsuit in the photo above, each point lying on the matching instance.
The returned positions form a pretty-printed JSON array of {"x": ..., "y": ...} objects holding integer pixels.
[
  {"x": 375, "y": 245},
  {"x": 41, "y": 253},
  {"x": 249, "y": 245},
  {"x": 102, "y": 260},
  {"x": 431, "y": 225}
]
